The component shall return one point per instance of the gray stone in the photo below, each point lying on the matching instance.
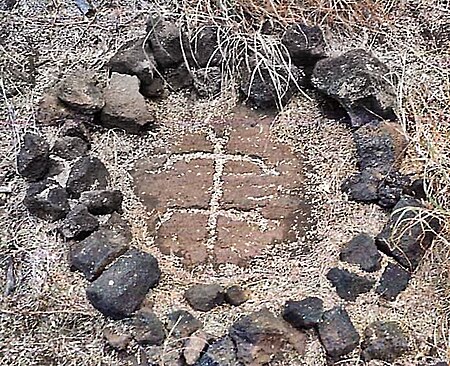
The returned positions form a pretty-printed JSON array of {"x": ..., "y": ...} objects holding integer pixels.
[
  {"x": 47, "y": 200},
  {"x": 92, "y": 255},
  {"x": 120, "y": 290},
  {"x": 78, "y": 223},
  {"x": 87, "y": 173},
  {"x": 33, "y": 157},
  {"x": 360, "y": 82},
  {"x": 337, "y": 333},
  {"x": 148, "y": 329},
  {"x": 394, "y": 280},
  {"x": 205, "y": 297},
  {"x": 125, "y": 106},
  {"x": 102, "y": 202},
  {"x": 179, "y": 78},
  {"x": 349, "y": 285},
  {"x": 181, "y": 323},
  {"x": 361, "y": 250},
  {"x": 304, "y": 314},
  {"x": 220, "y": 353},
  {"x": 236, "y": 295},
  {"x": 70, "y": 148}
]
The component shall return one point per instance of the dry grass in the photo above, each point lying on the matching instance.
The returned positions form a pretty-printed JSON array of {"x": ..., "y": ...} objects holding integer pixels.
[{"x": 48, "y": 321}]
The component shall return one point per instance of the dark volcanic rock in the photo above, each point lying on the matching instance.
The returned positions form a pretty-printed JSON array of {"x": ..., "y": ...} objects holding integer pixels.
[
  {"x": 383, "y": 341},
  {"x": 87, "y": 173},
  {"x": 391, "y": 188},
  {"x": 416, "y": 189},
  {"x": 33, "y": 157},
  {"x": 92, "y": 255},
  {"x": 179, "y": 78},
  {"x": 409, "y": 233},
  {"x": 78, "y": 223},
  {"x": 47, "y": 200},
  {"x": 134, "y": 58},
  {"x": 258, "y": 337},
  {"x": 120, "y": 290},
  {"x": 337, "y": 333},
  {"x": 181, "y": 323},
  {"x": 394, "y": 280},
  {"x": 75, "y": 129},
  {"x": 205, "y": 48},
  {"x": 125, "y": 106},
  {"x": 305, "y": 44},
  {"x": 260, "y": 89},
  {"x": 236, "y": 295},
  {"x": 349, "y": 285},
  {"x": 154, "y": 89},
  {"x": 165, "y": 42},
  {"x": 208, "y": 81},
  {"x": 362, "y": 250},
  {"x": 118, "y": 225},
  {"x": 148, "y": 329},
  {"x": 102, "y": 202},
  {"x": 359, "y": 81},
  {"x": 220, "y": 353},
  {"x": 303, "y": 314},
  {"x": 204, "y": 297},
  {"x": 70, "y": 148},
  {"x": 80, "y": 92}
]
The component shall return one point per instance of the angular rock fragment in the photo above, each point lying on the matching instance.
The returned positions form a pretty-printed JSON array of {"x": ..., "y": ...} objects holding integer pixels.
[
  {"x": 73, "y": 128},
  {"x": 409, "y": 233},
  {"x": 78, "y": 223},
  {"x": 349, "y": 285},
  {"x": 258, "y": 337},
  {"x": 205, "y": 48},
  {"x": 88, "y": 173},
  {"x": 134, "y": 58},
  {"x": 33, "y": 157},
  {"x": 220, "y": 353},
  {"x": 118, "y": 226},
  {"x": 79, "y": 91},
  {"x": 360, "y": 82},
  {"x": 125, "y": 106},
  {"x": 47, "y": 200},
  {"x": 391, "y": 188},
  {"x": 394, "y": 280},
  {"x": 205, "y": 297},
  {"x": 383, "y": 341},
  {"x": 303, "y": 314},
  {"x": 181, "y": 324},
  {"x": 102, "y": 202},
  {"x": 153, "y": 89},
  {"x": 51, "y": 111},
  {"x": 120, "y": 289},
  {"x": 92, "y": 255},
  {"x": 179, "y": 78},
  {"x": 362, "y": 250},
  {"x": 305, "y": 44},
  {"x": 70, "y": 148},
  {"x": 194, "y": 347},
  {"x": 148, "y": 329},
  {"x": 208, "y": 81},
  {"x": 337, "y": 333},
  {"x": 236, "y": 295}
]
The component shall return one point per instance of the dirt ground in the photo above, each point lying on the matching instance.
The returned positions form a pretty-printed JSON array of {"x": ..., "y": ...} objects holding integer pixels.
[{"x": 48, "y": 321}]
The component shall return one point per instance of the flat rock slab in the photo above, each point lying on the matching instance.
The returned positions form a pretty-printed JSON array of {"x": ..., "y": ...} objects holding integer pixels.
[{"x": 223, "y": 196}]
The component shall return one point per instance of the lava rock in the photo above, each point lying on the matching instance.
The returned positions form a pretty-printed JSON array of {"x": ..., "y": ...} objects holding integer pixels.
[
  {"x": 165, "y": 42},
  {"x": 359, "y": 81},
  {"x": 154, "y": 89},
  {"x": 117, "y": 341},
  {"x": 102, "y": 202},
  {"x": 33, "y": 157},
  {"x": 179, "y": 78},
  {"x": 119, "y": 226},
  {"x": 86, "y": 174},
  {"x": 205, "y": 297},
  {"x": 70, "y": 148},
  {"x": 134, "y": 58},
  {"x": 304, "y": 314},
  {"x": 220, "y": 353},
  {"x": 391, "y": 188},
  {"x": 79, "y": 91},
  {"x": 208, "y": 82},
  {"x": 92, "y": 255},
  {"x": 120, "y": 289},
  {"x": 125, "y": 106},
  {"x": 258, "y": 337},
  {"x": 47, "y": 200},
  {"x": 305, "y": 44},
  {"x": 194, "y": 347},
  {"x": 383, "y": 341},
  {"x": 362, "y": 250},
  {"x": 78, "y": 129},
  {"x": 408, "y": 233},
  {"x": 363, "y": 186},
  {"x": 416, "y": 189},
  {"x": 394, "y": 280},
  {"x": 337, "y": 333},
  {"x": 181, "y": 324},
  {"x": 260, "y": 89},
  {"x": 78, "y": 223},
  {"x": 149, "y": 330},
  {"x": 204, "y": 47},
  {"x": 236, "y": 295},
  {"x": 349, "y": 285}
]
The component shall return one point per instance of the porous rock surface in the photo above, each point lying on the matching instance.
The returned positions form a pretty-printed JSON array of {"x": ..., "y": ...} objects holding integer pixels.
[
  {"x": 78, "y": 223},
  {"x": 361, "y": 250},
  {"x": 87, "y": 173},
  {"x": 102, "y": 202}
]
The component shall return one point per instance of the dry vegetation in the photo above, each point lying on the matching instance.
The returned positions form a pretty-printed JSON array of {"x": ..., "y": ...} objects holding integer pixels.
[{"x": 47, "y": 320}]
